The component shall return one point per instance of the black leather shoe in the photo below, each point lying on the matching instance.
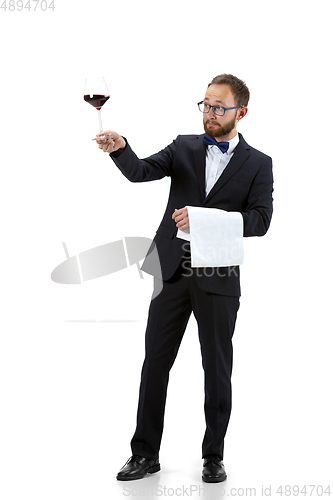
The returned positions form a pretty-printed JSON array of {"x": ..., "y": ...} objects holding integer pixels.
[
  {"x": 137, "y": 467},
  {"x": 213, "y": 470}
]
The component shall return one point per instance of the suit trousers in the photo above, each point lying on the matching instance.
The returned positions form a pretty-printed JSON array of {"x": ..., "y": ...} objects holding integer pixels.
[{"x": 168, "y": 316}]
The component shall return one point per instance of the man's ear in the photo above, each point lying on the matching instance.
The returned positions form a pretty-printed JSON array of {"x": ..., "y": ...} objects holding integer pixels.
[{"x": 242, "y": 112}]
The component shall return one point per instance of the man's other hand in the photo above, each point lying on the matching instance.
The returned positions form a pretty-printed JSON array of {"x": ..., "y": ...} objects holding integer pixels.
[{"x": 181, "y": 218}]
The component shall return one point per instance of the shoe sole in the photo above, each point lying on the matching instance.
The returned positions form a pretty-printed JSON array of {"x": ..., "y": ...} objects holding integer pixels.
[
  {"x": 214, "y": 479},
  {"x": 151, "y": 470}
]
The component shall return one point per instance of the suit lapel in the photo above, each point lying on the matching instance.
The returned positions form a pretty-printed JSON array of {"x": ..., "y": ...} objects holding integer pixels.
[
  {"x": 241, "y": 153},
  {"x": 199, "y": 152}
]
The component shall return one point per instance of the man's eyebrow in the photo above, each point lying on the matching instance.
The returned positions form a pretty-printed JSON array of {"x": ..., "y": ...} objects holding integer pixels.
[{"x": 217, "y": 101}]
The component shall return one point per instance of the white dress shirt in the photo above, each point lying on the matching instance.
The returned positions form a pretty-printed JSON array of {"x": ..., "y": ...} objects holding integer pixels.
[{"x": 216, "y": 162}]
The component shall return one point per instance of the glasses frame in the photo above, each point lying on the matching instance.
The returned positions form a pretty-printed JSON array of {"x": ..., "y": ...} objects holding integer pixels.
[{"x": 215, "y": 107}]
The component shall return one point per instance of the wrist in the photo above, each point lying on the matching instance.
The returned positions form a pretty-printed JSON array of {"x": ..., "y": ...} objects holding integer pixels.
[{"x": 123, "y": 143}]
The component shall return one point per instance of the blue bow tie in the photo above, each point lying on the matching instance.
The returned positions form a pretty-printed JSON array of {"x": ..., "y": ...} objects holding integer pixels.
[{"x": 210, "y": 141}]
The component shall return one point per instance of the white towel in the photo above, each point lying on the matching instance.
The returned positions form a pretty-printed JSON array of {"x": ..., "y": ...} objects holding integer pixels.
[{"x": 216, "y": 237}]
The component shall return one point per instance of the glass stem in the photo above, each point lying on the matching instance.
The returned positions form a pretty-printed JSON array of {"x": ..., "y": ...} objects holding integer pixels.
[{"x": 100, "y": 120}]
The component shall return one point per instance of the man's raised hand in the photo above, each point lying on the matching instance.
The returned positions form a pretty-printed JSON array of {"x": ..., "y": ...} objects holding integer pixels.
[{"x": 109, "y": 141}]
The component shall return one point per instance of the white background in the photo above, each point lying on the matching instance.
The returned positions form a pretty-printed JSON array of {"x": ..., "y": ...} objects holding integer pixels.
[{"x": 71, "y": 356}]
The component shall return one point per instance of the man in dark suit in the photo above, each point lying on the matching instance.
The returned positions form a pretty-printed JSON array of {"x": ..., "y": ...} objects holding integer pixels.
[{"x": 216, "y": 170}]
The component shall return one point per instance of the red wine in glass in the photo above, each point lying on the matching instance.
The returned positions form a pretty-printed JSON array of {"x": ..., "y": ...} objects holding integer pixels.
[
  {"x": 96, "y": 93},
  {"x": 96, "y": 100}
]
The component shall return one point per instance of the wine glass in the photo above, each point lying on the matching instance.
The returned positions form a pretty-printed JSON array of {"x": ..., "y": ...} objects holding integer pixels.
[{"x": 96, "y": 93}]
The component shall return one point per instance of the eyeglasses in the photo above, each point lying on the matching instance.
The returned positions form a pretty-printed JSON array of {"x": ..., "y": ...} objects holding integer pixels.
[{"x": 217, "y": 110}]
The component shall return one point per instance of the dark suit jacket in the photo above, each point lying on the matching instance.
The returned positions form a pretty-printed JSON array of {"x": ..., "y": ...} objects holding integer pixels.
[{"x": 245, "y": 186}]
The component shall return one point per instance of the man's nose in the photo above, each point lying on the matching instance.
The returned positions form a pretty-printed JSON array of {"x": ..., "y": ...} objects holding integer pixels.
[{"x": 211, "y": 113}]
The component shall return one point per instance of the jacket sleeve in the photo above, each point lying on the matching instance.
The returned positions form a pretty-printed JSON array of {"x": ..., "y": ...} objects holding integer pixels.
[
  {"x": 258, "y": 213},
  {"x": 152, "y": 168}
]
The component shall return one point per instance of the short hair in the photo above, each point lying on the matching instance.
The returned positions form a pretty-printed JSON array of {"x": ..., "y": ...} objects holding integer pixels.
[{"x": 238, "y": 87}]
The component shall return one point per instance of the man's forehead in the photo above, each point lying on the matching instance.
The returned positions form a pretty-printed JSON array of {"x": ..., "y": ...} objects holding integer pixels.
[{"x": 219, "y": 92}]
